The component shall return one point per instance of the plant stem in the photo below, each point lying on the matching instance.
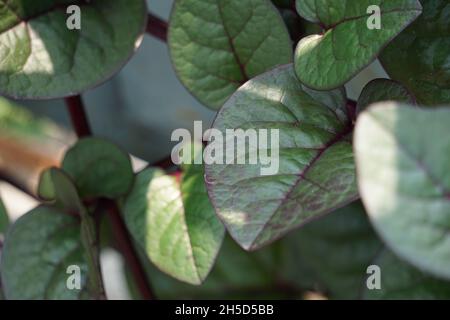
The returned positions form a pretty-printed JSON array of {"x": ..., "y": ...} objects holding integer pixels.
[
  {"x": 157, "y": 27},
  {"x": 78, "y": 116},
  {"x": 82, "y": 128}
]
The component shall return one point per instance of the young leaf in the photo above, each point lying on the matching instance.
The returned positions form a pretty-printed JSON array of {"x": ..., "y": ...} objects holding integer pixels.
[
  {"x": 401, "y": 281},
  {"x": 329, "y": 60},
  {"x": 38, "y": 249},
  {"x": 4, "y": 219},
  {"x": 99, "y": 168},
  {"x": 40, "y": 57},
  {"x": 419, "y": 56},
  {"x": 403, "y": 157},
  {"x": 217, "y": 45},
  {"x": 175, "y": 223},
  {"x": 379, "y": 90},
  {"x": 315, "y": 165},
  {"x": 339, "y": 248}
]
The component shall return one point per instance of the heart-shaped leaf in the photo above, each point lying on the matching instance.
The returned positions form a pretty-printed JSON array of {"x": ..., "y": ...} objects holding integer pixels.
[
  {"x": 339, "y": 248},
  {"x": 419, "y": 56},
  {"x": 4, "y": 219},
  {"x": 400, "y": 280},
  {"x": 38, "y": 250},
  {"x": 175, "y": 223},
  {"x": 309, "y": 172},
  {"x": 403, "y": 157},
  {"x": 218, "y": 45},
  {"x": 40, "y": 57},
  {"x": 99, "y": 168},
  {"x": 379, "y": 90},
  {"x": 329, "y": 60}
]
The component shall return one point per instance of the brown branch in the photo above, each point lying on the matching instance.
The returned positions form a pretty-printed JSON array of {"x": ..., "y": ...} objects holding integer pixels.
[
  {"x": 78, "y": 116},
  {"x": 126, "y": 246},
  {"x": 157, "y": 27}
]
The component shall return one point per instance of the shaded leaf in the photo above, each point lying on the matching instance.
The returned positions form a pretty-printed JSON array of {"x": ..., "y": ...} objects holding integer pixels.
[
  {"x": 175, "y": 223},
  {"x": 419, "y": 57},
  {"x": 38, "y": 249},
  {"x": 316, "y": 169},
  {"x": 99, "y": 168},
  {"x": 41, "y": 58},
  {"x": 339, "y": 248},
  {"x": 217, "y": 45},
  {"x": 347, "y": 45},
  {"x": 379, "y": 90},
  {"x": 400, "y": 280},
  {"x": 403, "y": 157}
]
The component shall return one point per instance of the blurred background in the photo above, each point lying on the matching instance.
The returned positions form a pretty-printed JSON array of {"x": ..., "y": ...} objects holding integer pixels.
[{"x": 138, "y": 109}]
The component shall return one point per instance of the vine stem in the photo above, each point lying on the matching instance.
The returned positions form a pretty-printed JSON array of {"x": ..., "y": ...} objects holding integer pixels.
[
  {"x": 81, "y": 126},
  {"x": 157, "y": 27}
]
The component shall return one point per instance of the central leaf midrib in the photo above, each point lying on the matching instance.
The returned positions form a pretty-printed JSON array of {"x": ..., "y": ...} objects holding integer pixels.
[{"x": 301, "y": 176}]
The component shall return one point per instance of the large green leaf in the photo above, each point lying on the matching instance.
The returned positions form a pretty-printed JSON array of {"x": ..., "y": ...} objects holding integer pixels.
[
  {"x": 339, "y": 248},
  {"x": 316, "y": 171},
  {"x": 379, "y": 90},
  {"x": 38, "y": 249},
  {"x": 420, "y": 56},
  {"x": 217, "y": 45},
  {"x": 175, "y": 223},
  {"x": 400, "y": 280},
  {"x": 403, "y": 157},
  {"x": 41, "y": 58},
  {"x": 329, "y": 60},
  {"x": 99, "y": 168}
]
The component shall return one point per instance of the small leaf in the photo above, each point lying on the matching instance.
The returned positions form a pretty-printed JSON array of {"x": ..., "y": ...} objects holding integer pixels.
[
  {"x": 316, "y": 171},
  {"x": 347, "y": 45},
  {"x": 99, "y": 168},
  {"x": 402, "y": 281},
  {"x": 41, "y": 58},
  {"x": 379, "y": 90},
  {"x": 38, "y": 249},
  {"x": 419, "y": 57},
  {"x": 403, "y": 157},
  {"x": 217, "y": 45},
  {"x": 339, "y": 248},
  {"x": 175, "y": 223},
  {"x": 4, "y": 219}
]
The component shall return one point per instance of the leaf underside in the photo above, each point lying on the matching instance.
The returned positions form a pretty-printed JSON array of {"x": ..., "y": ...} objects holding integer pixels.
[
  {"x": 41, "y": 58},
  {"x": 403, "y": 157},
  {"x": 217, "y": 45},
  {"x": 329, "y": 60},
  {"x": 316, "y": 169}
]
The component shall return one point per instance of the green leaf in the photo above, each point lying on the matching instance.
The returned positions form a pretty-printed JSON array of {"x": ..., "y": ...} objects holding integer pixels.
[
  {"x": 217, "y": 45},
  {"x": 4, "y": 219},
  {"x": 175, "y": 223},
  {"x": 402, "y": 281},
  {"x": 403, "y": 157},
  {"x": 41, "y": 58},
  {"x": 339, "y": 248},
  {"x": 56, "y": 186},
  {"x": 347, "y": 45},
  {"x": 38, "y": 249},
  {"x": 99, "y": 168},
  {"x": 419, "y": 57},
  {"x": 379, "y": 90},
  {"x": 316, "y": 171}
]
